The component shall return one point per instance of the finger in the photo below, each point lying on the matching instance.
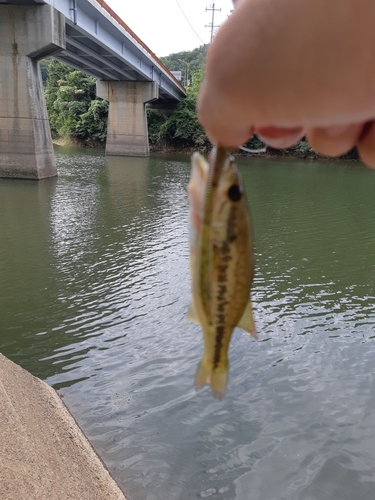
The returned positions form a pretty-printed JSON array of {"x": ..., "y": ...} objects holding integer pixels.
[
  {"x": 280, "y": 138},
  {"x": 334, "y": 141},
  {"x": 287, "y": 64},
  {"x": 236, "y": 2},
  {"x": 220, "y": 123},
  {"x": 366, "y": 145}
]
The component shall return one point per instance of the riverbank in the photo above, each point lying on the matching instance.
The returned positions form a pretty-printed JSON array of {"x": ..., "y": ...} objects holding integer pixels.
[
  {"x": 69, "y": 142},
  {"x": 301, "y": 151},
  {"x": 43, "y": 452}
]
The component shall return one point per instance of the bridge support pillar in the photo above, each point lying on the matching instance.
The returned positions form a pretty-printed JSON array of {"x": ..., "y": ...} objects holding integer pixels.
[
  {"x": 28, "y": 33},
  {"x": 127, "y": 122}
]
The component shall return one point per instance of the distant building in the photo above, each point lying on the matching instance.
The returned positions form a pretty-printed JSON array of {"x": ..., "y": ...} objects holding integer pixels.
[{"x": 177, "y": 75}]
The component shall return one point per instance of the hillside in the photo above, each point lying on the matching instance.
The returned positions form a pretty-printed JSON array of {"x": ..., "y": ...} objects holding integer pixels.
[{"x": 188, "y": 62}]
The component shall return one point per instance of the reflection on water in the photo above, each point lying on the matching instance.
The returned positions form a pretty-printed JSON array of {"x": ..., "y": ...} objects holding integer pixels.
[
  {"x": 130, "y": 176},
  {"x": 25, "y": 265},
  {"x": 94, "y": 288}
]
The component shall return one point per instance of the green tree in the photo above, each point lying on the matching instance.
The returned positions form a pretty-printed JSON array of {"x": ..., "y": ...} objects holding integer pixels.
[
  {"x": 92, "y": 125},
  {"x": 44, "y": 64},
  {"x": 56, "y": 74},
  {"x": 181, "y": 129},
  {"x": 74, "y": 96},
  {"x": 73, "y": 109},
  {"x": 186, "y": 61}
]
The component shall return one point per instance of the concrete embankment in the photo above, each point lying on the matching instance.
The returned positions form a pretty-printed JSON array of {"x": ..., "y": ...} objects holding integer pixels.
[{"x": 43, "y": 452}]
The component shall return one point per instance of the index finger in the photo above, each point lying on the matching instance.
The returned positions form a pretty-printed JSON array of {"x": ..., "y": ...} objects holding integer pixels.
[{"x": 289, "y": 64}]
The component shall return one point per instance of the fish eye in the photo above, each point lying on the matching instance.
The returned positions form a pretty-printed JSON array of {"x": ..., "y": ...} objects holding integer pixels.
[{"x": 234, "y": 193}]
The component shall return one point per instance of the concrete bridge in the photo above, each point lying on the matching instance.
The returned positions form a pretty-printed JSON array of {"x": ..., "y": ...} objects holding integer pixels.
[{"x": 89, "y": 36}]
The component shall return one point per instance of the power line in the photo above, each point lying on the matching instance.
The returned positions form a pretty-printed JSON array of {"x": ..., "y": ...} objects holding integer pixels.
[
  {"x": 187, "y": 19},
  {"x": 191, "y": 22},
  {"x": 212, "y": 25}
]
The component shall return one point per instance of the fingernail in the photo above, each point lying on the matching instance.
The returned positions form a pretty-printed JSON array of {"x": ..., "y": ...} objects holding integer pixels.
[
  {"x": 280, "y": 138},
  {"x": 232, "y": 138}
]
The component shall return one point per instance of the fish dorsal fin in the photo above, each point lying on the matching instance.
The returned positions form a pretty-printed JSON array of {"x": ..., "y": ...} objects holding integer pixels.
[
  {"x": 247, "y": 321},
  {"x": 191, "y": 314}
]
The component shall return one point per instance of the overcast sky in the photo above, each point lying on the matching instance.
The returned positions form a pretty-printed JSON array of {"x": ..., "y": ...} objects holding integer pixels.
[{"x": 163, "y": 25}]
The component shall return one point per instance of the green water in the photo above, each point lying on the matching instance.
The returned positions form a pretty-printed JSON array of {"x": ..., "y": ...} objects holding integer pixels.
[{"x": 94, "y": 288}]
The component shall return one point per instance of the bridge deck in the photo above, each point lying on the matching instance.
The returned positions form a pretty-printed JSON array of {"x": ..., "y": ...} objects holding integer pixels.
[{"x": 99, "y": 43}]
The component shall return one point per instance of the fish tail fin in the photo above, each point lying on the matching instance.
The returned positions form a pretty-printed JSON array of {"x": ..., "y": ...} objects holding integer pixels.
[{"x": 217, "y": 377}]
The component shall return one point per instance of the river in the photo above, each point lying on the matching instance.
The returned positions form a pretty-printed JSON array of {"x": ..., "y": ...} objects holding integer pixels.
[{"x": 94, "y": 288}]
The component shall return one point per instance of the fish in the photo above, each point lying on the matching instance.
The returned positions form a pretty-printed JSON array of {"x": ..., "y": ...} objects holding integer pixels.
[{"x": 221, "y": 262}]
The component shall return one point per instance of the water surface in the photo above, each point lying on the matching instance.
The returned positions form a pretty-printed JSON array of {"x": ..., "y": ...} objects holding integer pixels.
[{"x": 94, "y": 288}]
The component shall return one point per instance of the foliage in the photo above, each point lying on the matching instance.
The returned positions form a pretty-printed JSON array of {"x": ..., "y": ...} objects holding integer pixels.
[
  {"x": 92, "y": 125},
  {"x": 56, "y": 74},
  {"x": 181, "y": 129},
  {"x": 43, "y": 64},
  {"x": 254, "y": 143},
  {"x": 73, "y": 109},
  {"x": 155, "y": 120},
  {"x": 191, "y": 62}
]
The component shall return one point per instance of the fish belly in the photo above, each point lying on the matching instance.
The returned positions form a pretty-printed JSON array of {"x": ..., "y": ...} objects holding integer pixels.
[{"x": 230, "y": 279}]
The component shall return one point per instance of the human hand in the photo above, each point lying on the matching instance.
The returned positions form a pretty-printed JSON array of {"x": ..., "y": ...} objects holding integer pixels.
[{"x": 287, "y": 68}]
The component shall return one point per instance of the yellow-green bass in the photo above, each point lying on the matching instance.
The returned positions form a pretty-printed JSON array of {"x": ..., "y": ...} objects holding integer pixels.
[{"x": 221, "y": 262}]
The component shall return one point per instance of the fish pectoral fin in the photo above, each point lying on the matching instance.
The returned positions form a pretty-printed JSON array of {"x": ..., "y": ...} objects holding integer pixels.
[
  {"x": 191, "y": 314},
  {"x": 247, "y": 321}
]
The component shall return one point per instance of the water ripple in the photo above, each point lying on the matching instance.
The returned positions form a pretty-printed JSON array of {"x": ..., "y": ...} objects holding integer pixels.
[{"x": 98, "y": 310}]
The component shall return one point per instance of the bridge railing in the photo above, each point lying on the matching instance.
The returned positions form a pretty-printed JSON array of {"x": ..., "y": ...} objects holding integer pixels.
[{"x": 118, "y": 19}]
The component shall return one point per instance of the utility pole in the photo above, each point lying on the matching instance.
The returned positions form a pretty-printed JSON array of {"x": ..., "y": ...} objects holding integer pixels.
[
  {"x": 187, "y": 83},
  {"x": 212, "y": 25}
]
